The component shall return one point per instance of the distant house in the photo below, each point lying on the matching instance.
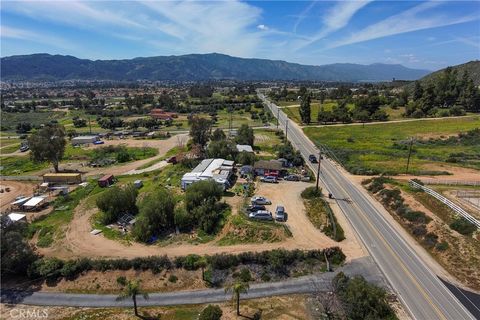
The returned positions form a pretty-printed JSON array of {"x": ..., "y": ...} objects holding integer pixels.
[
  {"x": 219, "y": 170},
  {"x": 84, "y": 140},
  {"x": 268, "y": 168},
  {"x": 162, "y": 114},
  {"x": 62, "y": 178},
  {"x": 244, "y": 148}
]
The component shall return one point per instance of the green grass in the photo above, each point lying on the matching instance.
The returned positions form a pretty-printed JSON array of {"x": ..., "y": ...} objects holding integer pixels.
[
  {"x": 239, "y": 229},
  {"x": 10, "y": 148},
  {"x": 136, "y": 153},
  {"x": 266, "y": 141},
  {"x": 11, "y": 119},
  {"x": 52, "y": 225},
  {"x": 321, "y": 215},
  {"x": 293, "y": 112},
  {"x": 20, "y": 165},
  {"x": 370, "y": 149},
  {"x": 172, "y": 152}
]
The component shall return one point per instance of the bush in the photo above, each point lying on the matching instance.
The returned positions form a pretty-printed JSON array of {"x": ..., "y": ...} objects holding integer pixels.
[
  {"x": 245, "y": 275},
  {"x": 46, "y": 267},
  {"x": 442, "y": 246},
  {"x": 172, "y": 278},
  {"x": 121, "y": 280},
  {"x": 311, "y": 192},
  {"x": 117, "y": 201},
  {"x": 211, "y": 312},
  {"x": 463, "y": 226}
]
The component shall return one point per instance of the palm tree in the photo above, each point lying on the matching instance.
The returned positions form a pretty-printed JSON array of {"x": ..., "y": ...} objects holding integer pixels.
[
  {"x": 237, "y": 288},
  {"x": 131, "y": 290}
]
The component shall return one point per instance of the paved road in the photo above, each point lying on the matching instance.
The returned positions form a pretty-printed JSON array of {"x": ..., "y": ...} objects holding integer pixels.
[
  {"x": 306, "y": 284},
  {"x": 420, "y": 290}
]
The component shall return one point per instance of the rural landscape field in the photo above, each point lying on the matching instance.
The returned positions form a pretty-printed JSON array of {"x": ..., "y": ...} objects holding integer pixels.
[{"x": 227, "y": 160}]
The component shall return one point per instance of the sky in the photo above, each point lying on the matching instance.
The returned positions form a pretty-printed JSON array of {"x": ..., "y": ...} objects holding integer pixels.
[{"x": 418, "y": 34}]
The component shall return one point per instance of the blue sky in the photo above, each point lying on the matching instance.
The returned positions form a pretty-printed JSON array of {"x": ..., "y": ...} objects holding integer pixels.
[{"x": 420, "y": 34}]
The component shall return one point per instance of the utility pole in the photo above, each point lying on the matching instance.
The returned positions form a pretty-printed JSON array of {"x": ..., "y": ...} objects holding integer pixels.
[
  {"x": 319, "y": 170},
  {"x": 230, "y": 126},
  {"x": 278, "y": 115},
  {"x": 409, "y": 154},
  {"x": 89, "y": 123},
  {"x": 286, "y": 131}
]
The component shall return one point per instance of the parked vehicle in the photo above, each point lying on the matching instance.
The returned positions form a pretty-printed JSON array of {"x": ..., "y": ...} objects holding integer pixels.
[
  {"x": 24, "y": 148},
  {"x": 260, "y": 200},
  {"x": 255, "y": 208},
  {"x": 98, "y": 142},
  {"x": 280, "y": 214},
  {"x": 312, "y": 158},
  {"x": 292, "y": 177},
  {"x": 261, "y": 215},
  {"x": 269, "y": 179}
]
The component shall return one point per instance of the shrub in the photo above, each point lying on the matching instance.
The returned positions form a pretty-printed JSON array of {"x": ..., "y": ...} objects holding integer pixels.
[
  {"x": 211, "y": 312},
  {"x": 463, "y": 226},
  {"x": 121, "y": 280},
  {"x": 117, "y": 201},
  {"x": 46, "y": 267},
  {"x": 245, "y": 275},
  {"x": 311, "y": 192},
  {"x": 172, "y": 278},
  {"x": 442, "y": 246},
  {"x": 430, "y": 239}
]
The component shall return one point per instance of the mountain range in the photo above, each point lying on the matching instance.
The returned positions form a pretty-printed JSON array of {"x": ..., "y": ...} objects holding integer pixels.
[{"x": 195, "y": 67}]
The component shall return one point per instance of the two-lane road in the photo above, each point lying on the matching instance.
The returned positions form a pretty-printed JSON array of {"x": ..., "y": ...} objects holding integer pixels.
[{"x": 420, "y": 290}]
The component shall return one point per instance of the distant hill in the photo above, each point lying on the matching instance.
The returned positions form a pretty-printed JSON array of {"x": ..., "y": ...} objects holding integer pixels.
[
  {"x": 212, "y": 66},
  {"x": 473, "y": 68}
]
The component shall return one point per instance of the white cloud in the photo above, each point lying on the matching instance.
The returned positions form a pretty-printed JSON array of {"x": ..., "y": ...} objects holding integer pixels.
[
  {"x": 303, "y": 15},
  {"x": 22, "y": 34},
  {"x": 406, "y": 21},
  {"x": 336, "y": 18},
  {"x": 262, "y": 27}
]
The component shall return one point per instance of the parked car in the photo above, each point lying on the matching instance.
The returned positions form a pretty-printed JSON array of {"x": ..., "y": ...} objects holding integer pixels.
[
  {"x": 260, "y": 200},
  {"x": 269, "y": 179},
  {"x": 99, "y": 142},
  {"x": 261, "y": 215},
  {"x": 292, "y": 177},
  {"x": 24, "y": 148},
  {"x": 280, "y": 213},
  {"x": 312, "y": 158},
  {"x": 255, "y": 207}
]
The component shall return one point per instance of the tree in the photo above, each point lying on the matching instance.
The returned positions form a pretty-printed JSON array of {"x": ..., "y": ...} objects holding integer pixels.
[
  {"x": 245, "y": 158},
  {"x": 245, "y": 135},
  {"x": 237, "y": 288},
  {"x": 48, "y": 144},
  {"x": 341, "y": 113},
  {"x": 201, "y": 202},
  {"x": 202, "y": 263},
  {"x": 117, "y": 201},
  {"x": 24, "y": 127},
  {"x": 156, "y": 214},
  {"x": 200, "y": 130},
  {"x": 417, "y": 91},
  {"x": 305, "y": 109},
  {"x": 211, "y": 312},
  {"x": 16, "y": 253},
  {"x": 324, "y": 116},
  {"x": 218, "y": 135},
  {"x": 362, "y": 116},
  {"x": 224, "y": 149},
  {"x": 132, "y": 290},
  {"x": 79, "y": 122}
]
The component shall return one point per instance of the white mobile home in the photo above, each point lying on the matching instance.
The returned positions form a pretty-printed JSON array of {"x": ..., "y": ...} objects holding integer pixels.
[
  {"x": 84, "y": 140},
  {"x": 219, "y": 170}
]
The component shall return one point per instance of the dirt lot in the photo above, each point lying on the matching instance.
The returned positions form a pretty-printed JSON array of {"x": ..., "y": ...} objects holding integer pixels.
[
  {"x": 283, "y": 307},
  {"x": 16, "y": 189},
  {"x": 79, "y": 242}
]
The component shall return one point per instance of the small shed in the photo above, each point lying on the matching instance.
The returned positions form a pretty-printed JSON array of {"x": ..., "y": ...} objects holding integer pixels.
[
  {"x": 62, "y": 178},
  {"x": 18, "y": 203},
  {"x": 35, "y": 203},
  {"x": 244, "y": 148},
  {"x": 268, "y": 168},
  {"x": 138, "y": 184},
  {"x": 17, "y": 217},
  {"x": 106, "y": 181}
]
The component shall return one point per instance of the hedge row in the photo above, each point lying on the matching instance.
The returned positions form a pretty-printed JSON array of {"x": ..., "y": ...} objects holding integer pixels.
[{"x": 275, "y": 259}]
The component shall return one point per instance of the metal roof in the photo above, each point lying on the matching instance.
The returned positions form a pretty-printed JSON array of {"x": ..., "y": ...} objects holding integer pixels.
[{"x": 34, "y": 201}]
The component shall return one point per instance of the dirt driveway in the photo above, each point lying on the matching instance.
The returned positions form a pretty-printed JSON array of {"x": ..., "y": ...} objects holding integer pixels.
[{"x": 78, "y": 241}]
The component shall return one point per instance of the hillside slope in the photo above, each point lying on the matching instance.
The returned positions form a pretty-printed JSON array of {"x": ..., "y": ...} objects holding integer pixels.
[
  {"x": 473, "y": 68},
  {"x": 193, "y": 67}
]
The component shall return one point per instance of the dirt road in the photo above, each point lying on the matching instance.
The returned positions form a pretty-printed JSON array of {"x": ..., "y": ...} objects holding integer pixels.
[{"x": 78, "y": 241}]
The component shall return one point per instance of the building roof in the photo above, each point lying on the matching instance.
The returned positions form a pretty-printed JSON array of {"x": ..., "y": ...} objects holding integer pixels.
[
  {"x": 244, "y": 148},
  {"x": 85, "y": 137},
  {"x": 20, "y": 201},
  {"x": 34, "y": 201},
  {"x": 14, "y": 217},
  {"x": 217, "y": 169},
  {"x": 52, "y": 175},
  {"x": 106, "y": 177},
  {"x": 268, "y": 164}
]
